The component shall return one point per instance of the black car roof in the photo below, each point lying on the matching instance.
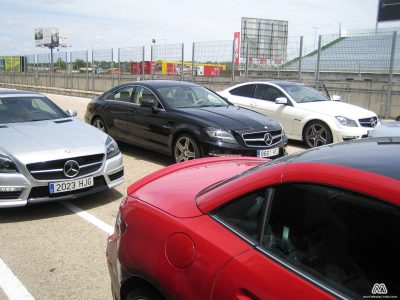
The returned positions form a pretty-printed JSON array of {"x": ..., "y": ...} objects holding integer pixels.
[
  {"x": 377, "y": 155},
  {"x": 17, "y": 92},
  {"x": 161, "y": 83}
]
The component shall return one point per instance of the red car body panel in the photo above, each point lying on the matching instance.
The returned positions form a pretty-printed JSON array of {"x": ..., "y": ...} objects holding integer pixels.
[
  {"x": 195, "y": 280},
  {"x": 167, "y": 183}
]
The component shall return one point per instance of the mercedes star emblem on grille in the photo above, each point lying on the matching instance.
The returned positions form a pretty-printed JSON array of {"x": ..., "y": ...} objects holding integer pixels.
[
  {"x": 71, "y": 168},
  {"x": 268, "y": 138},
  {"x": 373, "y": 122}
]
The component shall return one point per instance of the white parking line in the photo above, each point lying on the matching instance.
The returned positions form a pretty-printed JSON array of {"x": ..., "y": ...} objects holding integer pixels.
[
  {"x": 11, "y": 286},
  {"x": 88, "y": 217}
]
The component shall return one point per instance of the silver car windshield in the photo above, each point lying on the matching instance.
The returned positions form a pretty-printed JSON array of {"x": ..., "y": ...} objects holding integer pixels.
[
  {"x": 28, "y": 109},
  {"x": 190, "y": 96},
  {"x": 304, "y": 94}
]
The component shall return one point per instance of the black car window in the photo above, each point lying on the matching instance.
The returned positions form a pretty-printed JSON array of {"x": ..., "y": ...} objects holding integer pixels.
[
  {"x": 244, "y": 90},
  {"x": 124, "y": 94},
  {"x": 244, "y": 214},
  {"x": 267, "y": 92},
  {"x": 342, "y": 239},
  {"x": 145, "y": 93}
]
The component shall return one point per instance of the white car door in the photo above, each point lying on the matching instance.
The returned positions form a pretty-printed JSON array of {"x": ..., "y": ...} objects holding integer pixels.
[
  {"x": 242, "y": 95},
  {"x": 264, "y": 102}
]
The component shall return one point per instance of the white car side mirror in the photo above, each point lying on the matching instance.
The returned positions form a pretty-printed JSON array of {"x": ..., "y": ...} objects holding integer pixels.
[
  {"x": 336, "y": 98},
  {"x": 71, "y": 112},
  {"x": 281, "y": 100}
]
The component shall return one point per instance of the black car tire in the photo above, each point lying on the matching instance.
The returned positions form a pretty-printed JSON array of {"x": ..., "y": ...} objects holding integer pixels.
[
  {"x": 185, "y": 148},
  {"x": 99, "y": 124},
  {"x": 144, "y": 293},
  {"x": 316, "y": 134}
]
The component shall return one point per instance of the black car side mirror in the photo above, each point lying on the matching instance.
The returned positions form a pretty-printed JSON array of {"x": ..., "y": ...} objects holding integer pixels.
[{"x": 148, "y": 102}]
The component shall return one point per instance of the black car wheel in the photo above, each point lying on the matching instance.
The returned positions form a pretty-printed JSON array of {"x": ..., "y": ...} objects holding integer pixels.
[
  {"x": 144, "y": 294},
  {"x": 317, "y": 134},
  {"x": 185, "y": 148},
  {"x": 99, "y": 124}
]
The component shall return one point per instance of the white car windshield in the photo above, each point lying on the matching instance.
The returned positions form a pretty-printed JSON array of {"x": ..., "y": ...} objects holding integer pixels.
[
  {"x": 190, "y": 96},
  {"x": 28, "y": 109},
  {"x": 304, "y": 94}
]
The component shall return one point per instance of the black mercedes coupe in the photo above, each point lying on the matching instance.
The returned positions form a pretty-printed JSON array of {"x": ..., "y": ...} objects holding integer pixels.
[{"x": 184, "y": 120}]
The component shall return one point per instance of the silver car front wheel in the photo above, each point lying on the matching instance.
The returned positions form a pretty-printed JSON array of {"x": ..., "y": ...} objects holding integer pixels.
[
  {"x": 317, "y": 134},
  {"x": 185, "y": 148},
  {"x": 99, "y": 124}
]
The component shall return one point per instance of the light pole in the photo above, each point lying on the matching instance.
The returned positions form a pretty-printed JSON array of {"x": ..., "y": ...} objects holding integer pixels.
[{"x": 315, "y": 35}]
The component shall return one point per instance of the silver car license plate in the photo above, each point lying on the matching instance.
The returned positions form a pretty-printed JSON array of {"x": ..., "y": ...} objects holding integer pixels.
[
  {"x": 70, "y": 185},
  {"x": 268, "y": 152}
]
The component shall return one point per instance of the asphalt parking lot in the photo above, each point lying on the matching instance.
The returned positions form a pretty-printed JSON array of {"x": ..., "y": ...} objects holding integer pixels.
[{"x": 57, "y": 250}]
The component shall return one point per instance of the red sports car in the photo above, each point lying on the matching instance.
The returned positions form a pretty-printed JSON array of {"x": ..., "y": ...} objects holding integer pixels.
[{"x": 321, "y": 224}]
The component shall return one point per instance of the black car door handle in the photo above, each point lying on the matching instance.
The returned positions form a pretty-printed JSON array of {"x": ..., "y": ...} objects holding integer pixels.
[{"x": 133, "y": 109}]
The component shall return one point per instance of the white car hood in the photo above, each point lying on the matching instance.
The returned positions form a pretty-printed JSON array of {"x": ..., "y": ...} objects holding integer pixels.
[
  {"x": 335, "y": 108},
  {"x": 50, "y": 140}
]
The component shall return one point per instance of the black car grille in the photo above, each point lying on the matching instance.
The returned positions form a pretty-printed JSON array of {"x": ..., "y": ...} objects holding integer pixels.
[
  {"x": 54, "y": 169},
  {"x": 257, "y": 139},
  {"x": 10, "y": 195},
  {"x": 99, "y": 183},
  {"x": 368, "y": 122}
]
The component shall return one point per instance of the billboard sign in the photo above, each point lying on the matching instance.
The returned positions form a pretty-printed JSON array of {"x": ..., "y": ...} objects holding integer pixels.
[
  {"x": 50, "y": 37},
  {"x": 236, "y": 39},
  {"x": 388, "y": 10}
]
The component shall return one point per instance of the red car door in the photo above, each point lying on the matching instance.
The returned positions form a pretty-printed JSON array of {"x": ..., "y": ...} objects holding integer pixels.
[{"x": 253, "y": 275}]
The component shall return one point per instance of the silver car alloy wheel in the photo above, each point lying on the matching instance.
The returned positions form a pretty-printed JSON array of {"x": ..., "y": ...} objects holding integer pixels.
[
  {"x": 185, "y": 149},
  {"x": 316, "y": 135}
]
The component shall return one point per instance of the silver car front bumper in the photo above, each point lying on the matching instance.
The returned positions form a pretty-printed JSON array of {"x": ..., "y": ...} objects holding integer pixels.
[{"x": 19, "y": 189}]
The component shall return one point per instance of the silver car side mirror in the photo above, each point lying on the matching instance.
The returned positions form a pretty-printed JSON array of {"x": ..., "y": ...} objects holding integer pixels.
[
  {"x": 336, "y": 98},
  {"x": 281, "y": 100},
  {"x": 71, "y": 112}
]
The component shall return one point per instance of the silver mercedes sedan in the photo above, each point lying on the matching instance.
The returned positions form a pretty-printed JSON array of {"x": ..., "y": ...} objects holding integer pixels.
[{"x": 46, "y": 154}]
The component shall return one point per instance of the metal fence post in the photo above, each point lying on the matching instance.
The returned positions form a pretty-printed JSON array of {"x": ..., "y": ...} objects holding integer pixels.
[
  {"x": 193, "y": 63},
  {"x": 183, "y": 61},
  {"x": 300, "y": 57},
  {"x": 112, "y": 67},
  {"x": 233, "y": 61},
  {"x": 151, "y": 62},
  {"x": 390, "y": 82},
  {"x": 247, "y": 60},
  {"x": 318, "y": 62},
  {"x": 87, "y": 70},
  {"x": 143, "y": 58},
  {"x": 119, "y": 66},
  {"x": 93, "y": 72}
]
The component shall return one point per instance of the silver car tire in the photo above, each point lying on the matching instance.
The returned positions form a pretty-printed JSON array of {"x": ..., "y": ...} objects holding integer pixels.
[
  {"x": 185, "y": 148},
  {"x": 317, "y": 134}
]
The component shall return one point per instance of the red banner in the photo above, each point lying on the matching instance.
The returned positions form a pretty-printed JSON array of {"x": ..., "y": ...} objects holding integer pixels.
[{"x": 236, "y": 38}]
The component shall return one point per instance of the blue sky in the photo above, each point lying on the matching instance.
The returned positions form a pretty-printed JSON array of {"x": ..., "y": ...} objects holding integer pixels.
[{"x": 99, "y": 24}]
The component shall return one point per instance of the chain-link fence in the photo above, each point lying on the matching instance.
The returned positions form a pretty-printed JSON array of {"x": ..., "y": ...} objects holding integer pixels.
[
  {"x": 362, "y": 65},
  {"x": 168, "y": 60},
  {"x": 212, "y": 59},
  {"x": 132, "y": 64}
]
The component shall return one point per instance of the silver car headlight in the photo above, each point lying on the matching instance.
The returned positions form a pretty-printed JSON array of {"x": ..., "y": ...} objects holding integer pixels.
[
  {"x": 220, "y": 135},
  {"x": 111, "y": 148},
  {"x": 346, "y": 121},
  {"x": 7, "y": 165}
]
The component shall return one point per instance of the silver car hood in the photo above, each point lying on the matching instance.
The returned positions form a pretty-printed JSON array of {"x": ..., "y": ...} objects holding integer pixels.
[{"x": 49, "y": 140}]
